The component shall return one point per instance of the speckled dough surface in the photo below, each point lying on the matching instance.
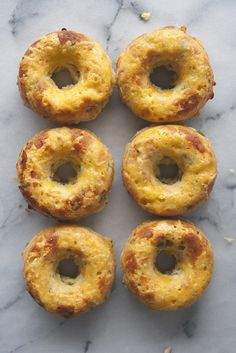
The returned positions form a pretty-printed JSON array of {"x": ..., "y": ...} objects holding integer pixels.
[
  {"x": 169, "y": 46},
  {"x": 191, "y": 275},
  {"x": 194, "y": 157},
  {"x": 89, "y": 67},
  {"x": 122, "y": 324},
  {"x": 84, "y": 194},
  {"x": 93, "y": 254}
]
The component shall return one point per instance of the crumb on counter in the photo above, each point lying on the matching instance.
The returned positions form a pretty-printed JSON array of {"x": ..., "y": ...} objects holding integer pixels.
[
  {"x": 231, "y": 171},
  {"x": 229, "y": 240},
  {"x": 145, "y": 16},
  {"x": 168, "y": 350}
]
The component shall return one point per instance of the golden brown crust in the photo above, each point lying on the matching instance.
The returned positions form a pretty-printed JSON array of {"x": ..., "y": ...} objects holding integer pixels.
[
  {"x": 192, "y": 153},
  {"x": 75, "y": 52},
  {"x": 192, "y": 273},
  {"x": 65, "y": 36},
  {"x": 45, "y": 152},
  {"x": 166, "y": 46},
  {"x": 92, "y": 252}
]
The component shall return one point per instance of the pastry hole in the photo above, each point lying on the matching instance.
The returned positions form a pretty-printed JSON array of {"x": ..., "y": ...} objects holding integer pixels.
[
  {"x": 63, "y": 77},
  {"x": 68, "y": 270},
  {"x": 165, "y": 262},
  {"x": 66, "y": 173},
  {"x": 168, "y": 171},
  {"x": 163, "y": 77}
]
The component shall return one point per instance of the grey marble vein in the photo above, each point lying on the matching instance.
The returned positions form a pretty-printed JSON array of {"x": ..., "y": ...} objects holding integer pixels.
[
  {"x": 12, "y": 302},
  {"x": 113, "y": 21},
  {"x": 41, "y": 337},
  {"x": 211, "y": 215},
  {"x": 189, "y": 327},
  {"x": 23, "y": 11},
  {"x": 231, "y": 186},
  {"x": 220, "y": 114},
  {"x": 206, "y": 218},
  {"x": 15, "y": 215},
  {"x": 87, "y": 345},
  {"x": 202, "y": 9},
  {"x": 136, "y": 8}
]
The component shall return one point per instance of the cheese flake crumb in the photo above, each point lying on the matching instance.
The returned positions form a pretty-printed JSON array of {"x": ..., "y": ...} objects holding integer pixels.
[
  {"x": 145, "y": 16},
  {"x": 229, "y": 240},
  {"x": 168, "y": 350},
  {"x": 232, "y": 171}
]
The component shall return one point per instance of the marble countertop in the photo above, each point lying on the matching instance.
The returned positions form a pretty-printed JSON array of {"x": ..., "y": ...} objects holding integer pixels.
[{"x": 121, "y": 324}]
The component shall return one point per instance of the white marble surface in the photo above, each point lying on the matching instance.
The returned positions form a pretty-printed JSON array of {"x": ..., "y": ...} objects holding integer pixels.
[{"x": 122, "y": 324}]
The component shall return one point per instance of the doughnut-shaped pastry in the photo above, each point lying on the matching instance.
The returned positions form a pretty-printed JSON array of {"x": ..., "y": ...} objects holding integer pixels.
[
  {"x": 88, "y": 278},
  {"x": 86, "y": 190},
  {"x": 187, "y": 64},
  {"x": 167, "y": 264},
  {"x": 169, "y": 169},
  {"x": 88, "y": 65}
]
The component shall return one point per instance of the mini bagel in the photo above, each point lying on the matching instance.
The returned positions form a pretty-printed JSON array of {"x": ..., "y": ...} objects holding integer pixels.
[
  {"x": 172, "y": 48},
  {"x": 91, "y": 252},
  {"x": 167, "y": 290},
  {"x": 184, "y": 148},
  {"x": 88, "y": 65},
  {"x": 83, "y": 194}
]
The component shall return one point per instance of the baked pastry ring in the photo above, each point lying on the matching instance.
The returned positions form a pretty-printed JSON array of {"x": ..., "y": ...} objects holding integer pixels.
[
  {"x": 89, "y": 67},
  {"x": 92, "y": 256},
  {"x": 157, "y": 284},
  {"x": 85, "y": 192},
  {"x": 182, "y": 56},
  {"x": 155, "y": 149}
]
